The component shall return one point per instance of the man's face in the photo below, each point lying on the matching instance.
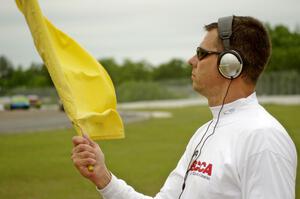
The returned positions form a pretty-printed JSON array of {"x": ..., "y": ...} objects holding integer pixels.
[{"x": 205, "y": 75}]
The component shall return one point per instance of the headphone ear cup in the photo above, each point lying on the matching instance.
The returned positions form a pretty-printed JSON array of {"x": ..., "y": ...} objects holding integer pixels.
[{"x": 230, "y": 64}]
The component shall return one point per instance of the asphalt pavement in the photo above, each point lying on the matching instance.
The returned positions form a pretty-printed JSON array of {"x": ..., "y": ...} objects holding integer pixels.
[{"x": 51, "y": 118}]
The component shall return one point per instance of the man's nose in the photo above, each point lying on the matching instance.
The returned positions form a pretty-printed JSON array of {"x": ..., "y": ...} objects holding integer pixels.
[{"x": 193, "y": 61}]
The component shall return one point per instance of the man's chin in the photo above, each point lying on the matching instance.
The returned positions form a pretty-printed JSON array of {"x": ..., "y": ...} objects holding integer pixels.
[
  {"x": 200, "y": 90},
  {"x": 197, "y": 89}
]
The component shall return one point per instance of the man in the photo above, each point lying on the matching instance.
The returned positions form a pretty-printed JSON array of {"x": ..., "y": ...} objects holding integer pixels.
[{"x": 243, "y": 152}]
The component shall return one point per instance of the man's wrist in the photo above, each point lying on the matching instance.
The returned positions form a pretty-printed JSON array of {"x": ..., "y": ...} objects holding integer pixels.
[{"x": 103, "y": 180}]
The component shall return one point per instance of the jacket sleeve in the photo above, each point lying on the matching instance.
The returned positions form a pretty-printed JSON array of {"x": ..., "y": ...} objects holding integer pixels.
[
  {"x": 119, "y": 189},
  {"x": 270, "y": 171}
]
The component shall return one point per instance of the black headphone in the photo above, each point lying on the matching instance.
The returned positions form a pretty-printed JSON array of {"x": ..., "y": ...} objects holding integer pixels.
[{"x": 230, "y": 63}]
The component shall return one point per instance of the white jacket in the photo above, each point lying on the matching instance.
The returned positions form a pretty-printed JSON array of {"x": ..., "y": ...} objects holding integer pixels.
[{"x": 249, "y": 156}]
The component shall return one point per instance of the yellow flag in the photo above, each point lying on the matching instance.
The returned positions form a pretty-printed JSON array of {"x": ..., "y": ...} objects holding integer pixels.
[{"x": 83, "y": 85}]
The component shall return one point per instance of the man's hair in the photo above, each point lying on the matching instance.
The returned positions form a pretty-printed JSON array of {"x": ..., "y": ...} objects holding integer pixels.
[{"x": 251, "y": 39}]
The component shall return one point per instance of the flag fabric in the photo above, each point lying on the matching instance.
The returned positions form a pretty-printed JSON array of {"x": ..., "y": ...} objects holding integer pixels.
[{"x": 83, "y": 85}]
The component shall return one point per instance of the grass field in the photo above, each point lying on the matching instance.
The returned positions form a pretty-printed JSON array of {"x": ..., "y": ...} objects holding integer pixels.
[{"x": 38, "y": 166}]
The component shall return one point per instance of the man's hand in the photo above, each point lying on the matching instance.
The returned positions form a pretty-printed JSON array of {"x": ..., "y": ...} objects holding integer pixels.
[{"x": 85, "y": 153}]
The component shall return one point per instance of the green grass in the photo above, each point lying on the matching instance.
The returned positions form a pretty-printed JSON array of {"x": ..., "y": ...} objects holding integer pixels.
[{"x": 38, "y": 165}]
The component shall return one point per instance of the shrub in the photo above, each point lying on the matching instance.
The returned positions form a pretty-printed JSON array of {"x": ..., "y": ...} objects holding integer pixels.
[{"x": 140, "y": 90}]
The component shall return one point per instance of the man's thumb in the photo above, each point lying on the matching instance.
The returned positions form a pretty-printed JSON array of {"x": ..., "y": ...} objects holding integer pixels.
[{"x": 87, "y": 137}]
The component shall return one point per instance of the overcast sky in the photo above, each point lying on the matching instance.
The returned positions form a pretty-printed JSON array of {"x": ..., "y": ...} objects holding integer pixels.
[{"x": 154, "y": 30}]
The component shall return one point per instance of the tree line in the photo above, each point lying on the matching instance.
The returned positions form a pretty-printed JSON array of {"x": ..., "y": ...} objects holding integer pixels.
[
  {"x": 285, "y": 57},
  {"x": 36, "y": 75}
]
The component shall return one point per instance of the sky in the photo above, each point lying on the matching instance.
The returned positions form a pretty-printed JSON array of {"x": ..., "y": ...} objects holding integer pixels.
[{"x": 151, "y": 30}]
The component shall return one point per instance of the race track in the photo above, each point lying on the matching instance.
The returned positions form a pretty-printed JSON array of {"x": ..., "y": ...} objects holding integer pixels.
[
  {"x": 32, "y": 120},
  {"x": 52, "y": 118}
]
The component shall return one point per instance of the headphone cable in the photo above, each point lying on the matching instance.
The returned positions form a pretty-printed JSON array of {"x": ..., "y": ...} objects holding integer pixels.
[{"x": 198, "y": 155}]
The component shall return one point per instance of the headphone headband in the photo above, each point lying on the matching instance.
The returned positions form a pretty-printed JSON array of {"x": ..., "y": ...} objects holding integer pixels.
[{"x": 225, "y": 30}]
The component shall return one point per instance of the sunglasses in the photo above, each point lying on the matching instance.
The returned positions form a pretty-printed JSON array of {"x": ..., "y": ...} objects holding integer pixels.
[{"x": 202, "y": 53}]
